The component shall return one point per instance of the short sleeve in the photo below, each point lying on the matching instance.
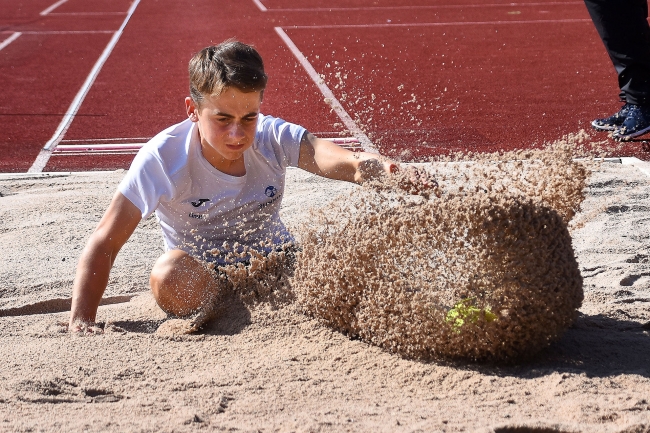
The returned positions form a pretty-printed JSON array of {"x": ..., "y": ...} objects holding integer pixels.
[
  {"x": 284, "y": 138},
  {"x": 146, "y": 183}
]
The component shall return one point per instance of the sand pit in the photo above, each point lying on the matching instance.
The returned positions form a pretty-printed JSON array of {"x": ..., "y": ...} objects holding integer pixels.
[{"x": 271, "y": 368}]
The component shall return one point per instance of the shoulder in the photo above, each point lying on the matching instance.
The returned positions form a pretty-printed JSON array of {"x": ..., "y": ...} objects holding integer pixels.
[
  {"x": 274, "y": 125},
  {"x": 170, "y": 148},
  {"x": 278, "y": 141},
  {"x": 275, "y": 132}
]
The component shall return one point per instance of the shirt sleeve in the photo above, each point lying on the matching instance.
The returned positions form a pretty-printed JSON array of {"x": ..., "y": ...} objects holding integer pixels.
[
  {"x": 284, "y": 138},
  {"x": 146, "y": 183}
]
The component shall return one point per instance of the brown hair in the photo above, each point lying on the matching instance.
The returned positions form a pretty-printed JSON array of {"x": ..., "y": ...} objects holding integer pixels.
[{"x": 229, "y": 64}]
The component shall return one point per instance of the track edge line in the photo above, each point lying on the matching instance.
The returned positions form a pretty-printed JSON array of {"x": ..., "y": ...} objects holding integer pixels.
[{"x": 334, "y": 103}]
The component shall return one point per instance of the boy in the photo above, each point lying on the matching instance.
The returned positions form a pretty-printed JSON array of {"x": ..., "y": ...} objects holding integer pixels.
[{"x": 216, "y": 177}]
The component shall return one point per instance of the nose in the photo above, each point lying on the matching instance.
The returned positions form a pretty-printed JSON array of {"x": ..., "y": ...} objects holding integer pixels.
[{"x": 236, "y": 131}]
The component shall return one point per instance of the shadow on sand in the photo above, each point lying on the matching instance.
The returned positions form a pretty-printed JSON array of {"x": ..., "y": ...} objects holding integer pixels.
[
  {"x": 598, "y": 346},
  {"x": 232, "y": 318}
]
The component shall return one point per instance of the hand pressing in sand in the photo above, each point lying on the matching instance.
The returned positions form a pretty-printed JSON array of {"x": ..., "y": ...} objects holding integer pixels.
[
  {"x": 417, "y": 181},
  {"x": 81, "y": 327},
  {"x": 408, "y": 178}
]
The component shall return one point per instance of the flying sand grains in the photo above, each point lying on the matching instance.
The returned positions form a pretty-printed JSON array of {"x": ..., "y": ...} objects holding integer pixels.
[{"x": 486, "y": 271}]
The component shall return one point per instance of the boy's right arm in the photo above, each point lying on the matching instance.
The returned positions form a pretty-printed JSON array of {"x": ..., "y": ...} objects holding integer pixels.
[{"x": 112, "y": 232}]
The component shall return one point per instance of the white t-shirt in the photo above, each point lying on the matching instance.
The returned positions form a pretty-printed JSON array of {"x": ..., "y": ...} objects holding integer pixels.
[{"x": 198, "y": 207}]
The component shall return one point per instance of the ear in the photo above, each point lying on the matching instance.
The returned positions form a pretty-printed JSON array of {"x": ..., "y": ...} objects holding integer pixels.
[{"x": 191, "y": 109}]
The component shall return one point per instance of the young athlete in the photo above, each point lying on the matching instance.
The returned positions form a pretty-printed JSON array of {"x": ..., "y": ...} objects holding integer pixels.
[{"x": 216, "y": 177}]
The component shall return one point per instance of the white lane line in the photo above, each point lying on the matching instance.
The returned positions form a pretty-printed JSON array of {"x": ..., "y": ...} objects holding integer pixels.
[
  {"x": 329, "y": 96},
  {"x": 45, "y": 153},
  {"x": 65, "y": 14},
  {"x": 19, "y": 176},
  {"x": 51, "y": 8},
  {"x": 259, "y": 4},
  {"x": 453, "y": 23},
  {"x": 97, "y": 152},
  {"x": 64, "y": 148},
  {"x": 66, "y": 32},
  {"x": 9, "y": 40},
  {"x": 103, "y": 148},
  {"x": 102, "y": 140},
  {"x": 642, "y": 166},
  {"x": 377, "y": 8}
]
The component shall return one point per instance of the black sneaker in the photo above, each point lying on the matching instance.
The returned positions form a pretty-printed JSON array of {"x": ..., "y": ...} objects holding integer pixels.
[
  {"x": 614, "y": 121},
  {"x": 636, "y": 123}
]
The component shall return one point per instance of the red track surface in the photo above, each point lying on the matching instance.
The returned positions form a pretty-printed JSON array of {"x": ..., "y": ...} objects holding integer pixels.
[{"x": 486, "y": 75}]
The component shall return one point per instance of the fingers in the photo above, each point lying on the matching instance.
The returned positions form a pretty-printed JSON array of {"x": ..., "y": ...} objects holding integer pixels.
[
  {"x": 411, "y": 179},
  {"x": 84, "y": 328},
  {"x": 390, "y": 167},
  {"x": 419, "y": 181}
]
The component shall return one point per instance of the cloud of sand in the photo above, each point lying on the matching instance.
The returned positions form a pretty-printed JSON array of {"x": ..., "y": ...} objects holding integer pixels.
[{"x": 485, "y": 271}]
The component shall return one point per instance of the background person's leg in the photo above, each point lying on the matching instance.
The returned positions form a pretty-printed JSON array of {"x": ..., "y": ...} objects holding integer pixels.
[
  {"x": 183, "y": 285},
  {"x": 624, "y": 30}
]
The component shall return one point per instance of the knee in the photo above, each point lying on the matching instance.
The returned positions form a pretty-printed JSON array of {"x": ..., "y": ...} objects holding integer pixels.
[{"x": 180, "y": 283}]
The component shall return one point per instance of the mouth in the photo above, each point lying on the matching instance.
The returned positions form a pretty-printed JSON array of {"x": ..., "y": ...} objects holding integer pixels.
[{"x": 235, "y": 146}]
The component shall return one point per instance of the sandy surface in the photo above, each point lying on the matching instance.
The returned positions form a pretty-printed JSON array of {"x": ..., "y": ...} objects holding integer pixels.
[{"x": 276, "y": 370}]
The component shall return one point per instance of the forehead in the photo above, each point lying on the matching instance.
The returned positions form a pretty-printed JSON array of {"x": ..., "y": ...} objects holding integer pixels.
[{"x": 233, "y": 101}]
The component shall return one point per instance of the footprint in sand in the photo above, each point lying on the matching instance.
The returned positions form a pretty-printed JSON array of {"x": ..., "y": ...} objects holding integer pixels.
[
  {"x": 58, "y": 305},
  {"x": 629, "y": 280}
]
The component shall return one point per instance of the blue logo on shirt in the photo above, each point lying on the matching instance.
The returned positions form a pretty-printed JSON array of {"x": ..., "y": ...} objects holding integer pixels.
[
  {"x": 200, "y": 201},
  {"x": 270, "y": 191}
]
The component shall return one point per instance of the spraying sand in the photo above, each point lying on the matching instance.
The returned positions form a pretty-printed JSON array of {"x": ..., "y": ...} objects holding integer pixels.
[
  {"x": 484, "y": 269},
  {"x": 264, "y": 365}
]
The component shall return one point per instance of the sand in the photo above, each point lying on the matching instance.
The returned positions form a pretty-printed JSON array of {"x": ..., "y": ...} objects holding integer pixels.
[{"x": 275, "y": 369}]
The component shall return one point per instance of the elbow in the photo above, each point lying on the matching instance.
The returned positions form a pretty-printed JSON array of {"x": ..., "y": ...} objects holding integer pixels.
[{"x": 100, "y": 247}]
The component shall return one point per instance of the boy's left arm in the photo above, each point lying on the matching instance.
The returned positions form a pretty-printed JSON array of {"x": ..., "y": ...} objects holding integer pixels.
[{"x": 324, "y": 158}]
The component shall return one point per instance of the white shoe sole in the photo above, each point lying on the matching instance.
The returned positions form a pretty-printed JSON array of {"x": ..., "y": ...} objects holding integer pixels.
[{"x": 631, "y": 135}]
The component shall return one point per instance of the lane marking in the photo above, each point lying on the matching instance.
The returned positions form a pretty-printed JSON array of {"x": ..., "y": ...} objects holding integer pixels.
[
  {"x": 101, "y": 140},
  {"x": 45, "y": 153},
  {"x": 63, "y": 148},
  {"x": 329, "y": 96},
  {"x": 97, "y": 153},
  {"x": 642, "y": 166},
  {"x": 48, "y": 174},
  {"x": 65, "y": 14},
  {"x": 453, "y": 23},
  {"x": 9, "y": 40},
  {"x": 51, "y": 8},
  {"x": 376, "y": 8},
  {"x": 120, "y": 148},
  {"x": 66, "y": 32},
  {"x": 259, "y": 4}
]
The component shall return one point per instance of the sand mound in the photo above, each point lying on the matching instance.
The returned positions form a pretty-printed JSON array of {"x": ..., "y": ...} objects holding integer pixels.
[{"x": 485, "y": 271}]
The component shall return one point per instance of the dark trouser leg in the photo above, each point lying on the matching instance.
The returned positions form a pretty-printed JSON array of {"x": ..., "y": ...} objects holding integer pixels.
[{"x": 624, "y": 30}]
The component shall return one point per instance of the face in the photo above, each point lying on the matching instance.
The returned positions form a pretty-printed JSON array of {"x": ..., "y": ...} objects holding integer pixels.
[{"x": 226, "y": 122}]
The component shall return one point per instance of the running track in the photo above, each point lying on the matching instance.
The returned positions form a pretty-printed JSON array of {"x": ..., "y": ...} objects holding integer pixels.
[{"x": 91, "y": 80}]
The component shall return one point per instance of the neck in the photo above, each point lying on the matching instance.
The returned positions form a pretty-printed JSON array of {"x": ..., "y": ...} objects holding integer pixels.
[{"x": 231, "y": 167}]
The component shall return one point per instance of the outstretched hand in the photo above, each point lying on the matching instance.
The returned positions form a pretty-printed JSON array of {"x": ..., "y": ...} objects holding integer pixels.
[
  {"x": 417, "y": 181},
  {"x": 409, "y": 178}
]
